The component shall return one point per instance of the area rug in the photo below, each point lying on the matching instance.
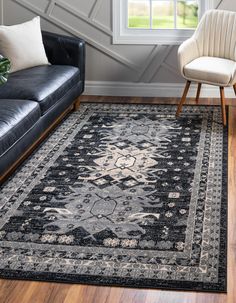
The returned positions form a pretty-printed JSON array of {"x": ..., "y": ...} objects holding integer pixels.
[{"x": 123, "y": 195}]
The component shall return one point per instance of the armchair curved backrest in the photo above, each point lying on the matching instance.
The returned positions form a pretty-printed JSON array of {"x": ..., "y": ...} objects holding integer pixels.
[{"x": 215, "y": 35}]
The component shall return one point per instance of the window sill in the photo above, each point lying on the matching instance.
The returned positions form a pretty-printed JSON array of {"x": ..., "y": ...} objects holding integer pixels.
[{"x": 153, "y": 37}]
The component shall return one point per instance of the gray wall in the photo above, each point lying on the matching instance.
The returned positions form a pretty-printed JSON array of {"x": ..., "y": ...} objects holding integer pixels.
[{"x": 110, "y": 69}]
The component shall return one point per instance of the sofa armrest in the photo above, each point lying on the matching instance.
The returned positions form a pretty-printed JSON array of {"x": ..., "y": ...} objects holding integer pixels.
[{"x": 65, "y": 50}]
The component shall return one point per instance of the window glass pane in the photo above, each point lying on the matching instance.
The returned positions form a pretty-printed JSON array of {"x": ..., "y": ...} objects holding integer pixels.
[
  {"x": 187, "y": 14},
  {"x": 139, "y": 14},
  {"x": 163, "y": 14}
]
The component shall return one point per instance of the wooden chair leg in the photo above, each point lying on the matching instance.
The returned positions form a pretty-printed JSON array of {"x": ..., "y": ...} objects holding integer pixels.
[
  {"x": 234, "y": 86},
  {"x": 198, "y": 92},
  {"x": 222, "y": 96},
  {"x": 183, "y": 100}
]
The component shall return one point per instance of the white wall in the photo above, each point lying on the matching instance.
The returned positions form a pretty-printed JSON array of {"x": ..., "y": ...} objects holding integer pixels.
[{"x": 143, "y": 70}]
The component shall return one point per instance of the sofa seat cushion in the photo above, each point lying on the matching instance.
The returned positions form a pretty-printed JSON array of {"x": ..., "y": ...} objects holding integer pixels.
[
  {"x": 211, "y": 70},
  {"x": 16, "y": 118},
  {"x": 43, "y": 84}
]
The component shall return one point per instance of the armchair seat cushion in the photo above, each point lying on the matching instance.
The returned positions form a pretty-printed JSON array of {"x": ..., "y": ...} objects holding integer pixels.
[
  {"x": 211, "y": 70},
  {"x": 16, "y": 118},
  {"x": 44, "y": 84}
]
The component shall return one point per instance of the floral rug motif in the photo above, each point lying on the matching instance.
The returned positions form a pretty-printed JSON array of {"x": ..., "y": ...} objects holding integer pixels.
[{"x": 123, "y": 195}]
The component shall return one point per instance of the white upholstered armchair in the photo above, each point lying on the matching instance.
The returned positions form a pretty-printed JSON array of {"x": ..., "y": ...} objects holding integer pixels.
[{"x": 209, "y": 56}]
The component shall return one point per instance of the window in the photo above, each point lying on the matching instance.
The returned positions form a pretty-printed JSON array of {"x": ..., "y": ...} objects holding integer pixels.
[
  {"x": 156, "y": 21},
  {"x": 162, "y": 14}
]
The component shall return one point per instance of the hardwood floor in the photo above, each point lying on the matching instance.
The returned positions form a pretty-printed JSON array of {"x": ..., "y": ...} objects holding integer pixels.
[{"x": 12, "y": 291}]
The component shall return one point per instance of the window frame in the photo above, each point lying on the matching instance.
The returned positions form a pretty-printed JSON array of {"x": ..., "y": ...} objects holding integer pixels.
[{"x": 124, "y": 35}]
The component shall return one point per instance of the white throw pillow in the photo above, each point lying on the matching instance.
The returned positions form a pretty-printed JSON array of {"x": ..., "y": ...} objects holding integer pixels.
[{"x": 23, "y": 45}]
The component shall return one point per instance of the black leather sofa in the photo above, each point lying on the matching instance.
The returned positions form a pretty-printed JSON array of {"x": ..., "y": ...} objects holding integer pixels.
[{"x": 34, "y": 99}]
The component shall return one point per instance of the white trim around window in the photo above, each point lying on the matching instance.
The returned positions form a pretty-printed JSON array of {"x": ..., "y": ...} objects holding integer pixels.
[{"x": 124, "y": 35}]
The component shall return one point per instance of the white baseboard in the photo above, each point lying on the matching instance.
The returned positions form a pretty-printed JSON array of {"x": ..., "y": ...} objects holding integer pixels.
[{"x": 103, "y": 88}]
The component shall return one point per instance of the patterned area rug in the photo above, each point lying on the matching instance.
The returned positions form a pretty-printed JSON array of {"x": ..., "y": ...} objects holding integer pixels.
[{"x": 122, "y": 195}]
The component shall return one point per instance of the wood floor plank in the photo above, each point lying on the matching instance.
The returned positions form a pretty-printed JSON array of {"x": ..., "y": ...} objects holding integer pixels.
[
  {"x": 74, "y": 294},
  {"x": 41, "y": 292},
  {"x": 231, "y": 298}
]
